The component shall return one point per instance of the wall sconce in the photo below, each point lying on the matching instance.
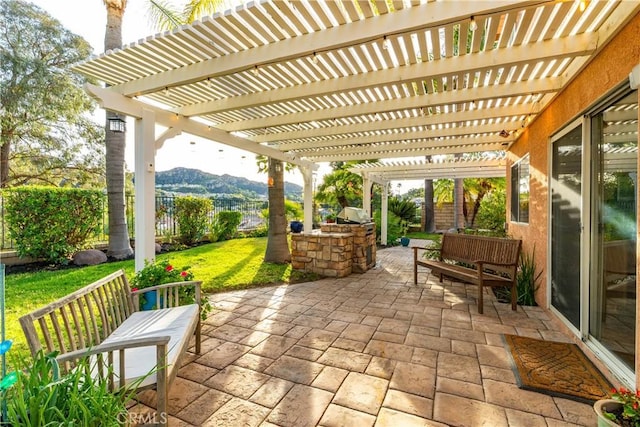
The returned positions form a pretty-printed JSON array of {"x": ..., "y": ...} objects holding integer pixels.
[
  {"x": 117, "y": 125},
  {"x": 473, "y": 25}
]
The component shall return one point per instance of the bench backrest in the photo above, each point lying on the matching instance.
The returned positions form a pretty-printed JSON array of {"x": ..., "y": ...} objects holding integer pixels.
[
  {"x": 468, "y": 248},
  {"x": 81, "y": 319}
]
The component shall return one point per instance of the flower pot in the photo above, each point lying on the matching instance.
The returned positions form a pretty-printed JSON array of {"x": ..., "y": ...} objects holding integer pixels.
[
  {"x": 296, "y": 226},
  {"x": 609, "y": 405},
  {"x": 150, "y": 301},
  {"x": 404, "y": 241}
]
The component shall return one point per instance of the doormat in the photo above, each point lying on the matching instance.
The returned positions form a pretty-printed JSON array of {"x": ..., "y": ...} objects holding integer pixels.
[{"x": 556, "y": 368}]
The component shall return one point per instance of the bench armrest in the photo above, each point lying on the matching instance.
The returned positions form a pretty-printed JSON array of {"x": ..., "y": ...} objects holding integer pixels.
[
  {"x": 114, "y": 346},
  {"x": 480, "y": 262},
  {"x": 415, "y": 248},
  {"x": 168, "y": 292},
  {"x": 197, "y": 285}
]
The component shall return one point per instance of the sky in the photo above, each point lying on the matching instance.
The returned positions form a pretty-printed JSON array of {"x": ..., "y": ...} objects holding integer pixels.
[{"x": 87, "y": 18}]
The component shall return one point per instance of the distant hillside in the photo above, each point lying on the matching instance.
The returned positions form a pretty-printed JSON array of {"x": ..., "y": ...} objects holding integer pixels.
[{"x": 194, "y": 181}]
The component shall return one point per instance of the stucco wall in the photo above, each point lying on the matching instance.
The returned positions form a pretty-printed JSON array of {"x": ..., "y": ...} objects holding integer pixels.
[{"x": 610, "y": 67}]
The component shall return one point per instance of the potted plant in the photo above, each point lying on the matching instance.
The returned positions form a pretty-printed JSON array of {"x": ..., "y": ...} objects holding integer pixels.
[
  {"x": 296, "y": 226},
  {"x": 623, "y": 409},
  {"x": 404, "y": 240},
  {"x": 162, "y": 272},
  {"x": 330, "y": 219}
]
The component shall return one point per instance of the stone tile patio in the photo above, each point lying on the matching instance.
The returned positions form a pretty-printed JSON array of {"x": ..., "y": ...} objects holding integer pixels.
[{"x": 365, "y": 350}]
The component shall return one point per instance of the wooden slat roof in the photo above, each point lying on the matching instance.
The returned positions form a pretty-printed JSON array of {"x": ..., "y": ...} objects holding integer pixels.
[{"x": 353, "y": 80}]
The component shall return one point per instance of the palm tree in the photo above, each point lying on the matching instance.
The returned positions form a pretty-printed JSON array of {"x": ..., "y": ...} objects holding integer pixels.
[
  {"x": 277, "y": 245},
  {"x": 429, "y": 211},
  {"x": 119, "y": 245}
]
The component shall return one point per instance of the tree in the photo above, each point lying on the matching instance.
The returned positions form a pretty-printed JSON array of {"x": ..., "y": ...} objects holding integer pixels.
[
  {"x": 340, "y": 187},
  {"x": 429, "y": 210},
  {"x": 119, "y": 245},
  {"x": 46, "y": 136},
  {"x": 167, "y": 16},
  {"x": 277, "y": 245}
]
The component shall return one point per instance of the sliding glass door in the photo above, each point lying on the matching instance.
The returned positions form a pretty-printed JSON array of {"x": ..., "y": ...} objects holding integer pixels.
[
  {"x": 612, "y": 319},
  {"x": 566, "y": 214},
  {"x": 593, "y": 227}
]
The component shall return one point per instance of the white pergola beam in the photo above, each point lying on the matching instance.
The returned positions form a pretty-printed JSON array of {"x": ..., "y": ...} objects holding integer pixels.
[
  {"x": 351, "y": 140},
  {"x": 408, "y": 153},
  {"x": 403, "y": 21},
  {"x": 542, "y": 86},
  {"x": 579, "y": 45},
  {"x": 406, "y": 122},
  {"x": 113, "y": 101}
]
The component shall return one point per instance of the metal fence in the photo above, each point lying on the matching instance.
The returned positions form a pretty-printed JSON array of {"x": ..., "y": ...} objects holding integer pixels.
[{"x": 165, "y": 219}]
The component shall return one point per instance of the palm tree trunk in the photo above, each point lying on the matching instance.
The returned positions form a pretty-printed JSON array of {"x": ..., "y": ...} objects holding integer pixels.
[
  {"x": 277, "y": 244},
  {"x": 429, "y": 209},
  {"x": 5, "y": 149},
  {"x": 119, "y": 245}
]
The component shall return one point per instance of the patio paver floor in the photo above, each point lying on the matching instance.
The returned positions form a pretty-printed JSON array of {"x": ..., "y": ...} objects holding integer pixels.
[{"x": 370, "y": 349}]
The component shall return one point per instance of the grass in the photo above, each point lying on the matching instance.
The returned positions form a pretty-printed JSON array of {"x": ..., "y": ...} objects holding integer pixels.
[
  {"x": 233, "y": 264},
  {"x": 427, "y": 236}
]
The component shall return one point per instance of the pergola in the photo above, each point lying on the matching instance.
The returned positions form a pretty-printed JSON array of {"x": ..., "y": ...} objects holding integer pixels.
[{"x": 313, "y": 81}]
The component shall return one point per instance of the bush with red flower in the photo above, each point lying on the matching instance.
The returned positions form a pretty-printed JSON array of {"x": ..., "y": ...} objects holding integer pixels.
[
  {"x": 161, "y": 272},
  {"x": 630, "y": 414}
]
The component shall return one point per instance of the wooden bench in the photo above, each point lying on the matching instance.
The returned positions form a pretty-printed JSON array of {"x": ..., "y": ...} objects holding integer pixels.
[
  {"x": 102, "y": 321},
  {"x": 492, "y": 261}
]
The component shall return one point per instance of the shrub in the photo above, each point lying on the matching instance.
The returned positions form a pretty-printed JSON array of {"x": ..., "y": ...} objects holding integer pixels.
[
  {"x": 394, "y": 227},
  {"x": 225, "y": 225},
  {"x": 192, "y": 217},
  {"x": 292, "y": 210},
  {"x": 52, "y": 223},
  {"x": 43, "y": 396},
  {"x": 527, "y": 281},
  {"x": 492, "y": 212},
  {"x": 260, "y": 231},
  {"x": 404, "y": 209}
]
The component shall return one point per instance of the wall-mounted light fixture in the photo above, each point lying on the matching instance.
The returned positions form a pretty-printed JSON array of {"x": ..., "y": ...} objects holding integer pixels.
[
  {"x": 473, "y": 25},
  {"x": 117, "y": 125}
]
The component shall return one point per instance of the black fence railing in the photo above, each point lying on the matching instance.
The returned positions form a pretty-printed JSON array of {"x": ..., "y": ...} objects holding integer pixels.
[{"x": 166, "y": 224}]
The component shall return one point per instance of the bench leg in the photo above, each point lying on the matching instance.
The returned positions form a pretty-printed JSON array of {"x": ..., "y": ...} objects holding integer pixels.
[
  {"x": 198, "y": 335},
  {"x": 480, "y": 297},
  {"x": 514, "y": 297},
  {"x": 440, "y": 277},
  {"x": 162, "y": 396}
]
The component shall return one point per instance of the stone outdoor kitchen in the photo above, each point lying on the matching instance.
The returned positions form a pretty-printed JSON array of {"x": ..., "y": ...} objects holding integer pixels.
[{"x": 336, "y": 250}]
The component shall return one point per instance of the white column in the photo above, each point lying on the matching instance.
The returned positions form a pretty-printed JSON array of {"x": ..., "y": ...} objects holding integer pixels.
[
  {"x": 145, "y": 180},
  {"x": 384, "y": 214},
  {"x": 366, "y": 194},
  {"x": 307, "y": 175}
]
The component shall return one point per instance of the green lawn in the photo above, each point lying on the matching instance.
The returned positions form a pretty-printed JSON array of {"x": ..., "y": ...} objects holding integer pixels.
[
  {"x": 428, "y": 236},
  {"x": 233, "y": 264}
]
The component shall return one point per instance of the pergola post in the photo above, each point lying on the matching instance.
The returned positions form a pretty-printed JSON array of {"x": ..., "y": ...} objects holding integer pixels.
[
  {"x": 384, "y": 214},
  {"x": 366, "y": 194},
  {"x": 307, "y": 175},
  {"x": 145, "y": 204}
]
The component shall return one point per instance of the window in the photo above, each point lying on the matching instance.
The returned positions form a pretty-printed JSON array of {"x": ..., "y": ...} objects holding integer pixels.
[{"x": 520, "y": 190}]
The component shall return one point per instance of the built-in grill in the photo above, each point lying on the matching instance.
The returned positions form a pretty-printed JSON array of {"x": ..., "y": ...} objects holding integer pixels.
[
  {"x": 337, "y": 249},
  {"x": 351, "y": 215}
]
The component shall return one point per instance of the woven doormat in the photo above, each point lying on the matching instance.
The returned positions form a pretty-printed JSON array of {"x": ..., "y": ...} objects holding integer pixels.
[{"x": 555, "y": 368}]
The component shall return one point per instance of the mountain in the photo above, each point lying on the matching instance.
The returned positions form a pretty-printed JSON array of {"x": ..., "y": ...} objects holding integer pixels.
[{"x": 194, "y": 181}]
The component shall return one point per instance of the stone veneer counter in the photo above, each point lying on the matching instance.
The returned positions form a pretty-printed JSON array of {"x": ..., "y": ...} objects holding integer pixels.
[{"x": 336, "y": 250}]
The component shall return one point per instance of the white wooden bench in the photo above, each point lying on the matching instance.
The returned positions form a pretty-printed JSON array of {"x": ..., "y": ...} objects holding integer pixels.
[
  {"x": 102, "y": 321},
  {"x": 491, "y": 261}
]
